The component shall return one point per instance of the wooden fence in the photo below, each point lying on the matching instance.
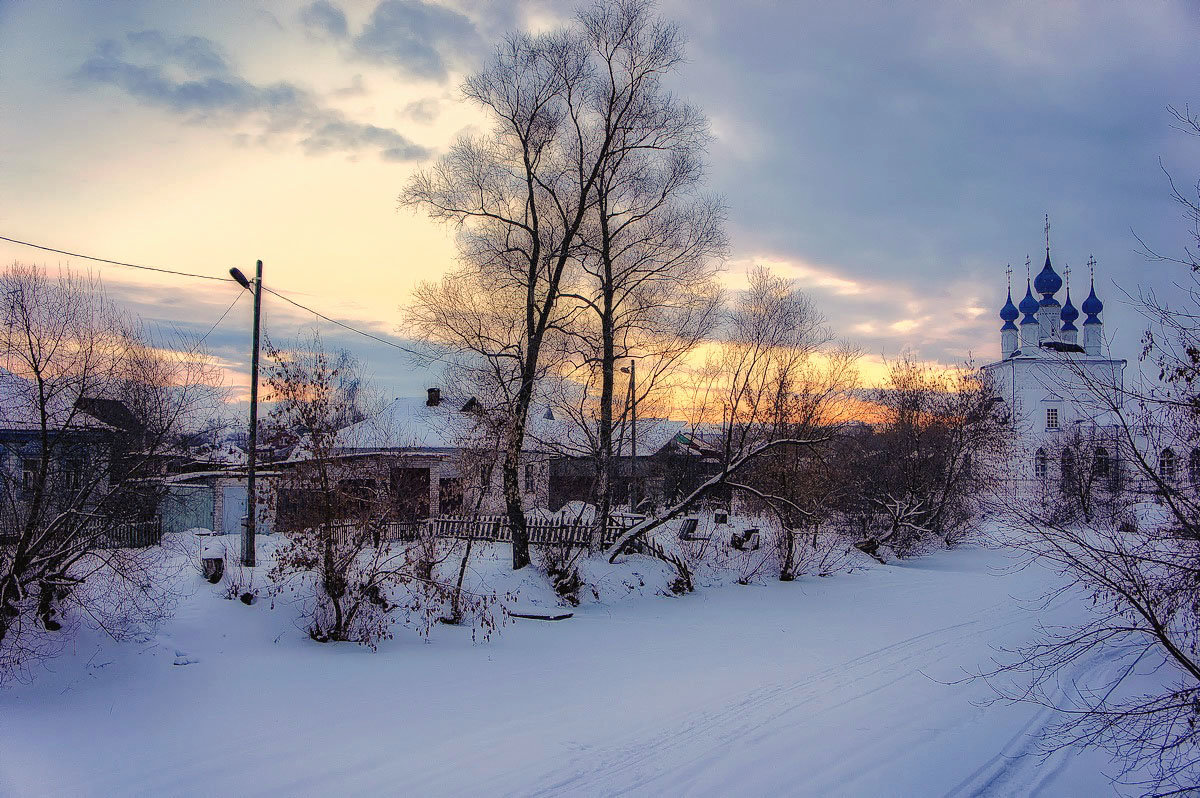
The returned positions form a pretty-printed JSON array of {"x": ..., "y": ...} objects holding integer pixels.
[
  {"x": 126, "y": 534},
  {"x": 107, "y": 533},
  {"x": 496, "y": 528}
]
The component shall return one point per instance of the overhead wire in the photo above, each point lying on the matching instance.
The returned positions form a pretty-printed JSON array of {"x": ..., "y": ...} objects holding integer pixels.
[
  {"x": 269, "y": 290},
  {"x": 216, "y": 324},
  {"x": 342, "y": 324},
  {"x": 117, "y": 262}
]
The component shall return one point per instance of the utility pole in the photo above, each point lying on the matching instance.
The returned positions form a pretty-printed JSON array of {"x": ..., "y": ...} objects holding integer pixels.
[
  {"x": 633, "y": 482},
  {"x": 252, "y": 455}
]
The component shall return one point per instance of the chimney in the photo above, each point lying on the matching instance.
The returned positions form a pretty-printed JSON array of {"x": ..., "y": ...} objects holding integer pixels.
[{"x": 434, "y": 398}]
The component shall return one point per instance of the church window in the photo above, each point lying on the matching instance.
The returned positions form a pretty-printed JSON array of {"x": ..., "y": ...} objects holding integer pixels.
[
  {"x": 1051, "y": 418},
  {"x": 1194, "y": 467},
  {"x": 1168, "y": 464},
  {"x": 1068, "y": 465},
  {"x": 1039, "y": 464},
  {"x": 1101, "y": 465}
]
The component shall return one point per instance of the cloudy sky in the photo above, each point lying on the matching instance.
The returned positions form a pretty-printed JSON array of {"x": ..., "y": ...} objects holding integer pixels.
[{"x": 891, "y": 157}]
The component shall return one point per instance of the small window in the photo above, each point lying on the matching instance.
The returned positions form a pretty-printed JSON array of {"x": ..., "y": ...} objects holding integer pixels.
[
  {"x": 29, "y": 469},
  {"x": 1194, "y": 467},
  {"x": 1168, "y": 465},
  {"x": 485, "y": 475},
  {"x": 73, "y": 476},
  {"x": 1101, "y": 465},
  {"x": 530, "y": 478},
  {"x": 1039, "y": 464},
  {"x": 1051, "y": 418}
]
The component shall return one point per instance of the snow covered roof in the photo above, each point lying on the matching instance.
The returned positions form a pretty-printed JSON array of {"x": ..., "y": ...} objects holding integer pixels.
[
  {"x": 19, "y": 410},
  {"x": 408, "y": 423}
]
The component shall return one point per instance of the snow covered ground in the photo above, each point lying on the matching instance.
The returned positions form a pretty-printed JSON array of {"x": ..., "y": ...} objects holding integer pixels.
[{"x": 831, "y": 686}]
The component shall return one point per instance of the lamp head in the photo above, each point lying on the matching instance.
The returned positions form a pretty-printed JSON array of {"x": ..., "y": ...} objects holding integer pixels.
[{"x": 237, "y": 275}]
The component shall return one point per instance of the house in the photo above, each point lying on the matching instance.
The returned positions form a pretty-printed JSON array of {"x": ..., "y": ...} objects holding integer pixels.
[
  {"x": 427, "y": 455},
  {"x": 673, "y": 458},
  {"x": 70, "y": 449}
]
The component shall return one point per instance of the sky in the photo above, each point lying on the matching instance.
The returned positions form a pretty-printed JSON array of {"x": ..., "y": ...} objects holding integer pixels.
[{"x": 891, "y": 158}]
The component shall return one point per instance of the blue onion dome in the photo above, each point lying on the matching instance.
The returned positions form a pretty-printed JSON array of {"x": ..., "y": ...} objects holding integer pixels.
[
  {"x": 1029, "y": 306},
  {"x": 1047, "y": 282},
  {"x": 1069, "y": 313},
  {"x": 1009, "y": 313},
  {"x": 1092, "y": 307}
]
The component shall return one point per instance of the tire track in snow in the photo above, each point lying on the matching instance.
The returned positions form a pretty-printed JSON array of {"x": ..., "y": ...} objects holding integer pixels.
[
  {"x": 1018, "y": 768},
  {"x": 760, "y": 709}
]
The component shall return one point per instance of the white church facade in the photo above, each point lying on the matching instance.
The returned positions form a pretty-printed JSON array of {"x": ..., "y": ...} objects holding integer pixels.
[
  {"x": 1065, "y": 393},
  {"x": 1058, "y": 385}
]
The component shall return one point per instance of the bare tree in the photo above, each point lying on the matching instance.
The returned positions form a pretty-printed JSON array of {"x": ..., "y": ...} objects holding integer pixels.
[
  {"x": 650, "y": 245},
  {"x": 89, "y": 402},
  {"x": 767, "y": 337},
  {"x": 562, "y": 103},
  {"x": 518, "y": 197},
  {"x": 802, "y": 487},
  {"x": 929, "y": 457},
  {"x": 1140, "y": 566}
]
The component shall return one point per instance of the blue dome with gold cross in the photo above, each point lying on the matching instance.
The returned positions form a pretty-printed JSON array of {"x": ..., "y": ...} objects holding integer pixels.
[
  {"x": 1009, "y": 313},
  {"x": 1047, "y": 282}
]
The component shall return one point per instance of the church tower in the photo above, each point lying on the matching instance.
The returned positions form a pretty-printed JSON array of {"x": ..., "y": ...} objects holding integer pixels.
[
  {"x": 1093, "y": 328},
  {"x": 1047, "y": 284},
  {"x": 1008, "y": 314},
  {"x": 1046, "y": 327},
  {"x": 1029, "y": 324},
  {"x": 1068, "y": 331}
]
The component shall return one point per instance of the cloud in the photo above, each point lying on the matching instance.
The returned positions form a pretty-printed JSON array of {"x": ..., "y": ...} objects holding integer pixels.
[
  {"x": 326, "y": 19},
  {"x": 886, "y": 312},
  {"x": 420, "y": 39},
  {"x": 424, "y": 111},
  {"x": 189, "y": 76},
  {"x": 357, "y": 88}
]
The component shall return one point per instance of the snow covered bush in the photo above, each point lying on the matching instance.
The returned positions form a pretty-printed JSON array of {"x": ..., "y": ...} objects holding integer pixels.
[
  {"x": 89, "y": 401},
  {"x": 914, "y": 479},
  {"x": 354, "y": 565},
  {"x": 560, "y": 563}
]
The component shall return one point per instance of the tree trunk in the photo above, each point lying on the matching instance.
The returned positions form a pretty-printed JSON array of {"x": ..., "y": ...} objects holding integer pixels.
[
  {"x": 512, "y": 476},
  {"x": 604, "y": 466}
]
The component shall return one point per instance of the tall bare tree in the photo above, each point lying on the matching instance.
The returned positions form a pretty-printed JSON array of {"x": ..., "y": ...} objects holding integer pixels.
[
  {"x": 520, "y": 195},
  {"x": 650, "y": 246}
]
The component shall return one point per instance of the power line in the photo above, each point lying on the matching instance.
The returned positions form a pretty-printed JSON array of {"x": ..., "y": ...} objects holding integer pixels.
[
  {"x": 216, "y": 323},
  {"x": 117, "y": 262},
  {"x": 342, "y": 323},
  {"x": 269, "y": 290}
]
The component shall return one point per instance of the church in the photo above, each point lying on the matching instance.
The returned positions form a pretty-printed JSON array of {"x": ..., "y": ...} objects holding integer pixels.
[{"x": 1061, "y": 391}]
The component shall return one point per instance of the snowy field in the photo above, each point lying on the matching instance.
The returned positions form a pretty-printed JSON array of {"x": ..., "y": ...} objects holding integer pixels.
[{"x": 832, "y": 686}]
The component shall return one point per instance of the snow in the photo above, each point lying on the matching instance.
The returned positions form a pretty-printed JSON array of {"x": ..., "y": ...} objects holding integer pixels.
[{"x": 838, "y": 685}]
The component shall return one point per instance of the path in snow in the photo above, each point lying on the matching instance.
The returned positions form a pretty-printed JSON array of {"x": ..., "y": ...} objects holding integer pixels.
[{"x": 828, "y": 686}]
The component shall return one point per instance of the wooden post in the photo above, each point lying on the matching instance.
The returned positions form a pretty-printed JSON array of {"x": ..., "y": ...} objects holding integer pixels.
[{"x": 252, "y": 455}]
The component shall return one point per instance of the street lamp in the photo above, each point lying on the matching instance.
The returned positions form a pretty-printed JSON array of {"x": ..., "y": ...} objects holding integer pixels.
[
  {"x": 631, "y": 370},
  {"x": 252, "y": 455}
]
